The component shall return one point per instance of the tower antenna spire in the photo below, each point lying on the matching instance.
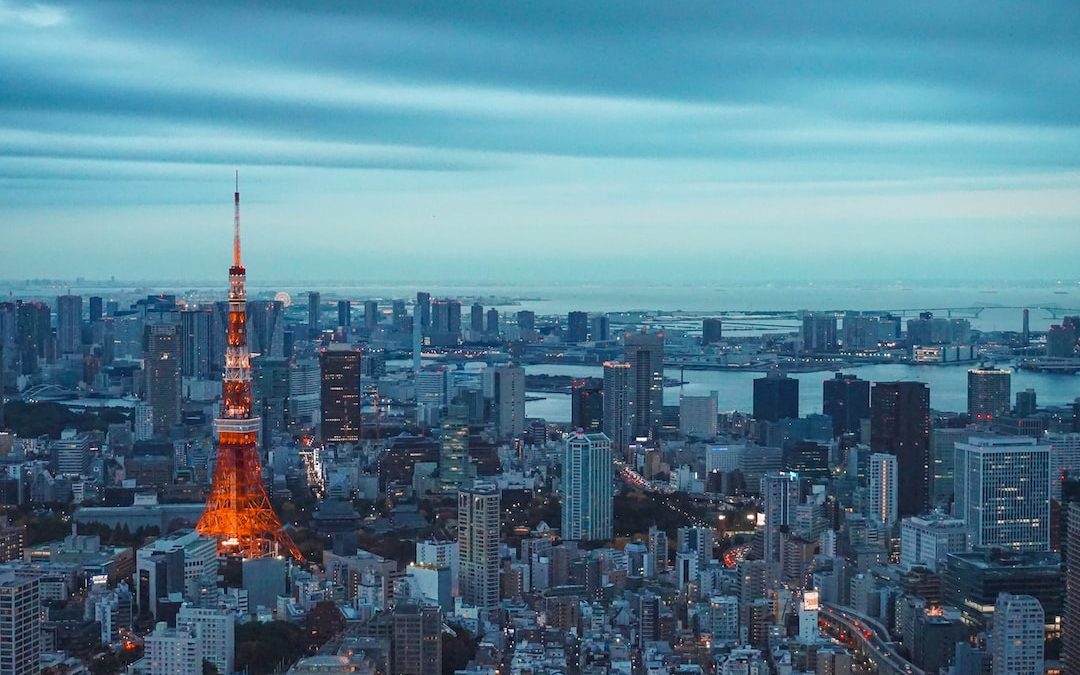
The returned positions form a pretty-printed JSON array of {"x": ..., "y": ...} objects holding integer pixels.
[{"x": 236, "y": 222}]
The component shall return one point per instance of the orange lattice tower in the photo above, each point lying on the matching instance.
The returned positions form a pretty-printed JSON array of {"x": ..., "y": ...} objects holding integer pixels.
[{"x": 238, "y": 513}]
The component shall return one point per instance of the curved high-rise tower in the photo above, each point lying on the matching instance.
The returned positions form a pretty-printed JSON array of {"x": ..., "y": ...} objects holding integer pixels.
[{"x": 238, "y": 512}]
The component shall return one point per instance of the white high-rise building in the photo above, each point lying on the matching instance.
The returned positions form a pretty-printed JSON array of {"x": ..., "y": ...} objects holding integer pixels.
[
  {"x": 1003, "y": 492},
  {"x": 1018, "y": 635},
  {"x": 698, "y": 415},
  {"x": 440, "y": 554},
  {"x": 881, "y": 479},
  {"x": 20, "y": 623},
  {"x": 1064, "y": 459},
  {"x": 478, "y": 544},
  {"x": 144, "y": 421},
  {"x": 587, "y": 491},
  {"x": 305, "y": 390},
  {"x": 781, "y": 492},
  {"x": 505, "y": 387},
  {"x": 172, "y": 651},
  {"x": 928, "y": 540},
  {"x": 214, "y": 629}
]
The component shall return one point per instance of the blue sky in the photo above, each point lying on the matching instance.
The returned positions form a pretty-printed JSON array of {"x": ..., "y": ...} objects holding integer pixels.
[{"x": 408, "y": 140}]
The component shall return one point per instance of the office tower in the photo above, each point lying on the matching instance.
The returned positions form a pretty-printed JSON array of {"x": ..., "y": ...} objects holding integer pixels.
[
  {"x": 172, "y": 651},
  {"x": 1070, "y": 625},
  {"x": 445, "y": 328},
  {"x": 344, "y": 314},
  {"x": 577, "y": 327},
  {"x": 238, "y": 515},
  {"x": 776, "y": 397},
  {"x": 476, "y": 318},
  {"x": 1025, "y": 332},
  {"x": 645, "y": 354},
  {"x": 314, "y": 313},
  {"x": 818, "y": 333},
  {"x": 491, "y": 326},
  {"x": 712, "y": 331},
  {"x": 69, "y": 324},
  {"x": 305, "y": 390},
  {"x": 214, "y": 629},
  {"x": 526, "y": 320},
  {"x": 648, "y": 618},
  {"x": 600, "y": 328},
  {"x": 619, "y": 407},
  {"x": 989, "y": 394},
  {"x": 780, "y": 491},
  {"x": 1003, "y": 492},
  {"x": 1061, "y": 341},
  {"x": 95, "y": 308},
  {"x": 71, "y": 453},
  {"x": 900, "y": 425},
  {"x": 20, "y": 623},
  {"x": 423, "y": 307},
  {"x": 698, "y": 415},
  {"x": 724, "y": 620},
  {"x": 454, "y": 449},
  {"x": 478, "y": 544},
  {"x": 12, "y": 538},
  {"x": 195, "y": 343},
  {"x": 587, "y": 494},
  {"x": 339, "y": 397},
  {"x": 371, "y": 316},
  {"x": 1064, "y": 459},
  {"x": 881, "y": 489},
  {"x": 161, "y": 365},
  {"x": 266, "y": 327},
  {"x": 33, "y": 333},
  {"x": 505, "y": 387},
  {"x": 416, "y": 640},
  {"x": 1027, "y": 403},
  {"x": 846, "y": 399},
  {"x": 1018, "y": 636},
  {"x": 9, "y": 344},
  {"x": 270, "y": 388},
  {"x": 927, "y": 541},
  {"x": 587, "y": 405},
  {"x": 398, "y": 314}
]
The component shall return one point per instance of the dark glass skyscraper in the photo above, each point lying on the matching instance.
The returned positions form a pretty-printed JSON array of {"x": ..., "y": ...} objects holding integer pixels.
[
  {"x": 900, "y": 425},
  {"x": 645, "y": 354},
  {"x": 577, "y": 327},
  {"x": 776, "y": 397},
  {"x": 846, "y": 399},
  {"x": 340, "y": 394},
  {"x": 587, "y": 405}
]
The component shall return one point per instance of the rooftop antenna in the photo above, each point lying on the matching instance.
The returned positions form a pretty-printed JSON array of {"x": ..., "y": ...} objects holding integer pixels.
[{"x": 236, "y": 222}]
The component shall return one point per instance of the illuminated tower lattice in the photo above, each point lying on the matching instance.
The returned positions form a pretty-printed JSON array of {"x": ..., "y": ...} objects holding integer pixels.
[{"x": 238, "y": 513}]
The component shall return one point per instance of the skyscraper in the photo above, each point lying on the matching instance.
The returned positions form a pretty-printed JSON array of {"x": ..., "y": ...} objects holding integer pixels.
[
  {"x": 266, "y": 327},
  {"x": 445, "y": 326},
  {"x": 33, "y": 333},
  {"x": 1002, "y": 489},
  {"x": 195, "y": 343},
  {"x": 478, "y": 544},
  {"x": 846, "y": 399},
  {"x": 587, "y": 405},
  {"x": 416, "y": 639},
  {"x": 780, "y": 490},
  {"x": 619, "y": 406},
  {"x": 989, "y": 394},
  {"x": 505, "y": 386},
  {"x": 339, "y": 366},
  {"x": 161, "y": 363},
  {"x": 1070, "y": 624},
  {"x": 900, "y": 425},
  {"x": 69, "y": 324},
  {"x": 344, "y": 314},
  {"x": 476, "y": 318},
  {"x": 600, "y": 328},
  {"x": 423, "y": 308},
  {"x": 698, "y": 415},
  {"x": 454, "y": 449},
  {"x": 491, "y": 326},
  {"x": 776, "y": 397},
  {"x": 371, "y": 316},
  {"x": 526, "y": 320},
  {"x": 215, "y": 631},
  {"x": 95, "y": 310},
  {"x": 587, "y": 494},
  {"x": 881, "y": 488},
  {"x": 1018, "y": 636},
  {"x": 577, "y": 327},
  {"x": 20, "y": 623},
  {"x": 172, "y": 651},
  {"x": 314, "y": 313},
  {"x": 818, "y": 333},
  {"x": 645, "y": 354},
  {"x": 712, "y": 331}
]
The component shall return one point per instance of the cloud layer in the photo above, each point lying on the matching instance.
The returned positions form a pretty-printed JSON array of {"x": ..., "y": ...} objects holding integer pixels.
[{"x": 366, "y": 133}]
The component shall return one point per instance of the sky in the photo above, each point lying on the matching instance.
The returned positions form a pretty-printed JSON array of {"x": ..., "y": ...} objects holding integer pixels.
[{"x": 521, "y": 141}]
